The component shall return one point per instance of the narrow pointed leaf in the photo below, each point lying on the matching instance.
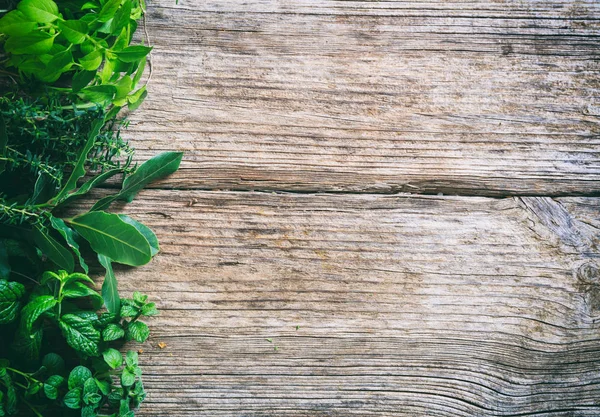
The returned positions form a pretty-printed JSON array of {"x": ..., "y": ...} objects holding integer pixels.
[
  {"x": 56, "y": 252},
  {"x": 67, "y": 233},
  {"x": 110, "y": 291}
]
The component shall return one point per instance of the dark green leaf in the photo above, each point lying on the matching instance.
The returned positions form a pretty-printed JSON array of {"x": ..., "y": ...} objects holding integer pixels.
[
  {"x": 74, "y": 30},
  {"x": 82, "y": 79},
  {"x": 145, "y": 231},
  {"x": 78, "y": 290},
  {"x": 51, "y": 391},
  {"x": 110, "y": 236},
  {"x": 90, "y": 387},
  {"x": 41, "y": 11},
  {"x": 138, "y": 331},
  {"x": 35, "y": 43},
  {"x": 67, "y": 233},
  {"x": 103, "y": 386},
  {"x": 113, "y": 358},
  {"x": 73, "y": 398},
  {"x": 81, "y": 334},
  {"x": 34, "y": 309},
  {"x": 28, "y": 344},
  {"x": 53, "y": 363},
  {"x": 78, "y": 376},
  {"x": 15, "y": 23},
  {"x": 3, "y": 142},
  {"x": 110, "y": 290},
  {"x": 10, "y": 296},
  {"x": 112, "y": 332},
  {"x": 79, "y": 169},
  {"x": 133, "y": 53},
  {"x": 94, "y": 182},
  {"x": 56, "y": 252}
]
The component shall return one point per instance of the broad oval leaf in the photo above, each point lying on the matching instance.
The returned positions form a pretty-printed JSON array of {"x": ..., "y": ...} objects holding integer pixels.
[
  {"x": 34, "y": 43},
  {"x": 113, "y": 358},
  {"x": 81, "y": 334},
  {"x": 133, "y": 53},
  {"x": 56, "y": 252},
  {"x": 91, "y": 61},
  {"x": 110, "y": 236},
  {"x": 10, "y": 300},
  {"x": 41, "y": 11},
  {"x": 78, "y": 376},
  {"x": 15, "y": 23},
  {"x": 74, "y": 30}
]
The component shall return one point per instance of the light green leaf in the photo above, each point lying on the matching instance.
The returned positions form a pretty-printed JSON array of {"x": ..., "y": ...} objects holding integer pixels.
[
  {"x": 133, "y": 53},
  {"x": 91, "y": 61},
  {"x": 61, "y": 62},
  {"x": 67, "y": 233},
  {"x": 112, "y": 332},
  {"x": 108, "y": 10},
  {"x": 121, "y": 19},
  {"x": 110, "y": 291},
  {"x": 138, "y": 73},
  {"x": 56, "y": 252},
  {"x": 15, "y": 23},
  {"x": 113, "y": 358},
  {"x": 101, "y": 94},
  {"x": 127, "y": 378},
  {"x": 34, "y": 43},
  {"x": 41, "y": 11},
  {"x": 136, "y": 99},
  {"x": 79, "y": 169},
  {"x": 10, "y": 300},
  {"x": 131, "y": 358},
  {"x": 81, "y": 334},
  {"x": 138, "y": 331},
  {"x": 34, "y": 309},
  {"x": 74, "y": 30},
  {"x": 109, "y": 235}
]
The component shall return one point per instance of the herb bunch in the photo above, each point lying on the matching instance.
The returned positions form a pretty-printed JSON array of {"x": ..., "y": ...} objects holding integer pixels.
[{"x": 67, "y": 68}]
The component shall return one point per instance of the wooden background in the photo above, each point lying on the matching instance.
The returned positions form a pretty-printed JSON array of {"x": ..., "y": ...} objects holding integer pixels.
[{"x": 386, "y": 208}]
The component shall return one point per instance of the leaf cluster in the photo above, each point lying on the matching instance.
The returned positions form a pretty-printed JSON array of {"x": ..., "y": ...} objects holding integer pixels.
[
  {"x": 38, "y": 381},
  {"x": 81, "y": 48}
]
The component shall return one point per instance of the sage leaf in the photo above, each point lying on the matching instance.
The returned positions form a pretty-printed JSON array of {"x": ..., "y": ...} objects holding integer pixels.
[
  {"x": 109, "y": 235},
  {"x": 41, "y": 11},
  {"x": 53, "y": 250},
  {"x": 110, "y": 291},
  {"x": 81, "y": 334},
  {"x": 67, "y": 233},
  {"x": 74, "y": 30},
  {"x": 10, "y": 300},
  {"x": 15, "y": 23}
]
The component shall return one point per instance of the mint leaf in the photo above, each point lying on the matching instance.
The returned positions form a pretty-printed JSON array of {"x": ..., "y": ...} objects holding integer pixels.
[
  {"x": 10, "y": 296},
  {"x": 138, "y": 331},
  {"x": 34, "y": 309},
  {"x": 73, "y": 398},
  {"x": 53, "y": 363},
  {"x": 78, "y": 376},
  {"x": 81, "y": 334},
  {"x": 78, "y": 290},
  {"x": 112, "y": 332},
  {"x": 113, "y": 358},
  {"x": 127, "y": 378}
]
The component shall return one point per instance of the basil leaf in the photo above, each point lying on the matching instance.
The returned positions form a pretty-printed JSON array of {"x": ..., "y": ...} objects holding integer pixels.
[
  {"x": 91, "y": 61},
  {"x": 110, "y": 290},
  {"x": 101, "y": 94},
  {"x": 15, "y": 23},
  {"x": 133, "y": 53},
  {"x": 56, "y": 252},
  {"x": 81, "y": 334},
  {"x": 35, "y": 43},
  {"x": 41, "y": 11},
  {"x": 136, "y": 99},
  {"x": 121, "y": 19},
  {"x": 74, "y": 30},
  {"x": 110, "y": 236},
  {"x": 10, "y": 296},
  {"x": 67, "y": 233},
  {"x": 108, "y": 10}
]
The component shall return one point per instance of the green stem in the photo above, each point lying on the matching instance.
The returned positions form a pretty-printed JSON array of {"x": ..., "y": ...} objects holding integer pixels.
[{"x": 23, "y": 374}]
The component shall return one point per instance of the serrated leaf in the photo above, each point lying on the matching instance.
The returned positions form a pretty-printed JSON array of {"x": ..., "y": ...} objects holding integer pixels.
[
  {"x": 73, "y": 399},
  {"x": 131, "y": 358},
  {"x": 113, "y": 358},
  {"x": 67, "y": 233},
  {"x": 90, "y": 387},
  {"x": 28, "y": 344},
  {"x": 112, "y": 332},
  {"x": 34, "y": 43},
  {"x": 15, "y": 23},
  {"x": 128, "y": 311},
  {"x": 139, "y": 298},
  {"x": 34, "y": 309},
  {"x": 78, "y": 376},
  {"x": 74, "y": 30},
  {"x": 138, "y": 331},
  {"x": 41, "y": 11},
  {"x": 10, "y": 300},
  {"x": 50, "y": 391},
  {"x": 81, "y": 334},
  {"x": 56, "y": 252},
  {"x": 149, "y": 310}
]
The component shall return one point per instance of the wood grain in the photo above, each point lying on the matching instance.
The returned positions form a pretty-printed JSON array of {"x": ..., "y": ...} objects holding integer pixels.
[
  {"x": 458, "y": 97},
  {"x": 405, "y": 305}
]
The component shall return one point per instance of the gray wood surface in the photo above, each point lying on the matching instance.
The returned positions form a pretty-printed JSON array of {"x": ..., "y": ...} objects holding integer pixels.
[
  {"x": 460, "y": 97},
  {"x": 328, "y": 298}
]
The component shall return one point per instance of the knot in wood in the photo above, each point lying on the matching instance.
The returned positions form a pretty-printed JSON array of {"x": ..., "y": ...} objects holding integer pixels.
[{"x": 589, "y": 273}]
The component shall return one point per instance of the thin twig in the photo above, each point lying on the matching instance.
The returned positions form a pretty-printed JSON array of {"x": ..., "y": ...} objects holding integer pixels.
[{"x": 150, "y": 65}]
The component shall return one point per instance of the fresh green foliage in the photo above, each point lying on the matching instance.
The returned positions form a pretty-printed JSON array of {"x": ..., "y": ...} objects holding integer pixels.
[
  {"x": 103, "y": 379},
  {"x": 87, "y": 44},
  {"x": 69, "y": 67}
]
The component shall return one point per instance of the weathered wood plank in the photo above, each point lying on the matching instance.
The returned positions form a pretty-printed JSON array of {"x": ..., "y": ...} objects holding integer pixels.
[
  {"x": 406, "y": 305},
  {"x": 486, "y": 98}
]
